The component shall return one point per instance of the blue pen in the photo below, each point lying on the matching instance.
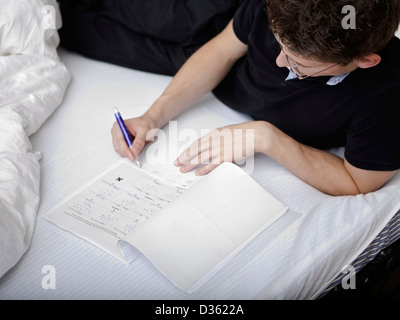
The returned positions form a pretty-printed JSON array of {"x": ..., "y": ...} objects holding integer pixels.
[{"x": 125, "y": 132}]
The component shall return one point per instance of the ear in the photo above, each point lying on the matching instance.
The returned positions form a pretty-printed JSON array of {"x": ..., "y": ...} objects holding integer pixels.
[{"x": 368, "y": 61}]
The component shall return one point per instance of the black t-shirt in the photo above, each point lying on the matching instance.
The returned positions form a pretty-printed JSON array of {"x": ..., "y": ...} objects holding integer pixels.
[{"x": 361, "y": 113}]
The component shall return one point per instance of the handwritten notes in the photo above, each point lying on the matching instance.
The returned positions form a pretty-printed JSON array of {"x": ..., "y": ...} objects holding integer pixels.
[
  {"x": 163, "y": 172},
  {"x": 115, "y": 204},
  {"x": 188, "y": 234},
  {"x": 120, "y": 201}
]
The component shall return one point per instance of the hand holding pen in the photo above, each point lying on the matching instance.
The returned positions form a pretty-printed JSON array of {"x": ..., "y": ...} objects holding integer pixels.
[{"x": 127, "y": 136}]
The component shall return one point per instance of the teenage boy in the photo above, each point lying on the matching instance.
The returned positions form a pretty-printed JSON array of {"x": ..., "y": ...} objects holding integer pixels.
[{"x": 309, "y": 81}]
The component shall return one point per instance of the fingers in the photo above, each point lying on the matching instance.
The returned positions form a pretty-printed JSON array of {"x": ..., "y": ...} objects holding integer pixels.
[
  {"x": 226, "y": 144},
  {"x": 190, "y": 154},
  {"x": 139, "y": 142},
  {"x": 139, "y": 134},
  {"x": 140, "y": 129},
  {"x": 204, "y": 157},
  {"x": 208, "y": 159},
  {"x": 119, "y": 143},
  {"x": 204, "y": 151}
]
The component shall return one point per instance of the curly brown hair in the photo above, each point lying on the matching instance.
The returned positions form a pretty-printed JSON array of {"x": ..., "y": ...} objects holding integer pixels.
[{"x": 313, "y": 28}]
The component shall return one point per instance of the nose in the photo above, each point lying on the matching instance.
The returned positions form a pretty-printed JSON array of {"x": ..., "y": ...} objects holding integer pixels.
[{"x": 281, "y": 60}]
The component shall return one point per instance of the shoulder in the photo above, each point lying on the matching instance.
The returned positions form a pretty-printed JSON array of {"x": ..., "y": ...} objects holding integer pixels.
[
  {"x": 386, "y": 73},
  {"x": 248, "y": 17},
  {"x": 378, "y": 88},
  {"x": 374, "y": 128}
]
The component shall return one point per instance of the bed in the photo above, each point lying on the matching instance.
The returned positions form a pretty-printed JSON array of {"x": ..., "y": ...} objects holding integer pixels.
[{"x": 301, "y": 256}]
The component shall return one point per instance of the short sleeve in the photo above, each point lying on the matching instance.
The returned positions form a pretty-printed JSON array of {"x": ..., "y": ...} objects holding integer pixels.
[
  {"x": 244, "y": 18},
  {"x": 373, "y": 140}
]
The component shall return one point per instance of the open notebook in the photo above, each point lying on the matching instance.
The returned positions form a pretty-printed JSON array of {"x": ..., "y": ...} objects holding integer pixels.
[{"x": 187, "y": 233}]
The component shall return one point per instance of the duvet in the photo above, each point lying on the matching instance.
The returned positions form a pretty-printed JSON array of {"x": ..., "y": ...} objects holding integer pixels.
[{"x": 33, "y": 82}]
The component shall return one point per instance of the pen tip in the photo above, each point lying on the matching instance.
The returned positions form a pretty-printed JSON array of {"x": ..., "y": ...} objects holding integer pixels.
[{"x": 115, "y": 110}]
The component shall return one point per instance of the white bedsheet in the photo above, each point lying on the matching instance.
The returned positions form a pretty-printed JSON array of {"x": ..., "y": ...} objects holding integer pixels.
[
  {"x": 32, "y": 85},
  {"x": 294, "y": 259}
]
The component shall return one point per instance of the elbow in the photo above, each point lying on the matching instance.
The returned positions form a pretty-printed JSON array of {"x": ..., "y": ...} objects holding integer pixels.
[
  {"x": 351, "y": 191},
  {"x": 354, "y": 189}
]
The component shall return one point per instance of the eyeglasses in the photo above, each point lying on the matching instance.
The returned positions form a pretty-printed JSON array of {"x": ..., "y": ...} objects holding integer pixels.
[{"x": 295, "y": 68}]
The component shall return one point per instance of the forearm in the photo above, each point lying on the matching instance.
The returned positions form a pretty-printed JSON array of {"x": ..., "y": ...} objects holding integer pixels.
[
  {"x": 320, "y": 169},
  {"x": 201, "y": 73},
  {"x": 198, "y": 76}
]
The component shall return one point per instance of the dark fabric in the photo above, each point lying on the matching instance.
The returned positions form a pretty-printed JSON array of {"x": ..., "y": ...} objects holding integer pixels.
[
  {"x": 361, "y": 113},
  {"x": 149, "y": 35}
]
